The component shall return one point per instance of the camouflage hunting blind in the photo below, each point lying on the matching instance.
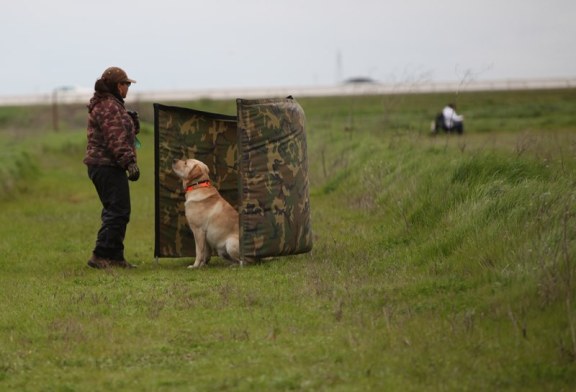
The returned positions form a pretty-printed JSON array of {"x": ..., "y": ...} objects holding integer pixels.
[{"x": 258, "y": 161}]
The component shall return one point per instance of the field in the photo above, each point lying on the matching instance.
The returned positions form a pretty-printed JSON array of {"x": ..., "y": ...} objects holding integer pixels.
[{"x": 440, "y": 263}]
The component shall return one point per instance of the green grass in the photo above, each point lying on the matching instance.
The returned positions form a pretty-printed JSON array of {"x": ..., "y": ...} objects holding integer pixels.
[{"x": 439, "y": 263}]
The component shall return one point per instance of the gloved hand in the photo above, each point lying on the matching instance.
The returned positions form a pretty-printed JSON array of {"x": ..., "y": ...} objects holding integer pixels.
[
  {"x": 133, "y": 172},
  {"x": 135, "y": 120}
]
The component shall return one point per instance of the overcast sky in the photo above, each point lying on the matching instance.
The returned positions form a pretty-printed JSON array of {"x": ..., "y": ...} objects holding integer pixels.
[{"x": 190, "y": 44}]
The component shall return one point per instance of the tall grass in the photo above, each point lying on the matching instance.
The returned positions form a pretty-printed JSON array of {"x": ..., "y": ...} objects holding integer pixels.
[
  {"x": 440, "y": 263},
  {"x": 15, "y": 164}
]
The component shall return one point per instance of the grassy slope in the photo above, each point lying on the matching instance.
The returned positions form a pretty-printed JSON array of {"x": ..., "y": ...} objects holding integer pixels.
[{"x": 439, "y": 263}]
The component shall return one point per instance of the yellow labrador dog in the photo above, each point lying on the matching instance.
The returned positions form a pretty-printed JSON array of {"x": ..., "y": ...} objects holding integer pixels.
[{"x": 213, "y": 221}]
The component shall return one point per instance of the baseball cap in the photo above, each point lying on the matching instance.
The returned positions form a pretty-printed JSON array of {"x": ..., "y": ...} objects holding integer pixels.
[{"x": 116, "y": 75}]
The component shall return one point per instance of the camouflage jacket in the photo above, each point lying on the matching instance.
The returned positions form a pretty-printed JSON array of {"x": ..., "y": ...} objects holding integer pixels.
[{"x": 111, "y": 133}]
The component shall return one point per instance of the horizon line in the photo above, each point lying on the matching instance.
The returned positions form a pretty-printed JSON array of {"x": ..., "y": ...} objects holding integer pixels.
[{"x": 66, "y": 94}]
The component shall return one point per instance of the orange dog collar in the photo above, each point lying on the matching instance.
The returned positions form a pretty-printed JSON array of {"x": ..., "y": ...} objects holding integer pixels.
[{"x": 199, "y": 184}]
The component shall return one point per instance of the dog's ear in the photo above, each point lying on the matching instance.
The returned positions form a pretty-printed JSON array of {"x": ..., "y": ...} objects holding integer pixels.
[
  {"x": 197, "y": 170},
  {"x": 205, "y": 167},
  {"x": 192, "y": 171}
]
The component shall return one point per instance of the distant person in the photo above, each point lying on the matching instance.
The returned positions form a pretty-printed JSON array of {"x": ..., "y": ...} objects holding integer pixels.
[
  {"x": 111, "y": 160},
  {"x": 453, "y": 122}
]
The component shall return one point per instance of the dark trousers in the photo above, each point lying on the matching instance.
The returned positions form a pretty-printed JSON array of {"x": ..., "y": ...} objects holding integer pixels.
[
  {"x": 112, "y": 186},
  {"x": 458, "y": 127}
]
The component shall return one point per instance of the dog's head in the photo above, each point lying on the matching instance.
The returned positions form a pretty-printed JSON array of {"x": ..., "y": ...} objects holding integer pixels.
[{"x": 190, "y": 171}]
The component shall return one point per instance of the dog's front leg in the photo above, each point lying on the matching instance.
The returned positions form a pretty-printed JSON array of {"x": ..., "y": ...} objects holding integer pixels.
[{"x": 201, "y": 248}]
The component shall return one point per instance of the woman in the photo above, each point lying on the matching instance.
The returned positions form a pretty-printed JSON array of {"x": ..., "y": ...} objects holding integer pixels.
[{"x": 111, "y": 153}]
